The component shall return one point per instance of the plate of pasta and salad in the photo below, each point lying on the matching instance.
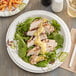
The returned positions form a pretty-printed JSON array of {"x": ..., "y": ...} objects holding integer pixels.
[
  {"x": 38, "y": 41},
  {"x": 11, "y": 7}
]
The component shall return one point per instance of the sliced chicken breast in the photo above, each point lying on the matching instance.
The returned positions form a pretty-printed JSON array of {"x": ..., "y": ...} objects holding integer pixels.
[
  {"x": 48, "y": 27},
  {"x": 31, "y": 41},
  {"x": 31, "y": 33},
  {"x": 34, "y": 51},
  {"x": 51, "y": 44},
  {"x": 43, "y": 36},
  {"x": 33, "y": 27},
  {"x": 35, "y": 24}
]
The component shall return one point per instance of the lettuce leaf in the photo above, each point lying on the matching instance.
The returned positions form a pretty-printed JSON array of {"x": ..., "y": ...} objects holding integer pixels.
[
  {"x": 59, "y": 39},
  {"x": 56, "y": 25},
  {"x": 51, "y": 56},
  {"x": 26, "y": 59},
  {"x": 42, "y": 63},
  {"x": 22, "y": 47}
]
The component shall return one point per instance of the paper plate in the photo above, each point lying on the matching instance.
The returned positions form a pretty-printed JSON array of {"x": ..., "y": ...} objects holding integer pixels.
[
  {"x": 13, "y": 51},
  {"x": 17, "y": 10}
]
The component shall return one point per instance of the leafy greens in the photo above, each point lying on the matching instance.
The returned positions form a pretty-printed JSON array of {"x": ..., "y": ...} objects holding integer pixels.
[{"x": 21, "y": 38}]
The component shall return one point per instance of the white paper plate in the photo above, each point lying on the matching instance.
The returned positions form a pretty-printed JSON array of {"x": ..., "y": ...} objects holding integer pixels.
[
  {"x": 17, "y": 10},
  {"x": 13, "y": 52}
]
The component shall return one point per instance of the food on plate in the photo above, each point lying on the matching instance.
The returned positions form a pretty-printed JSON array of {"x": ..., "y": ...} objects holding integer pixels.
[
  {"x": 9, "y": 4},
  {"x": 38, "y": 40}
]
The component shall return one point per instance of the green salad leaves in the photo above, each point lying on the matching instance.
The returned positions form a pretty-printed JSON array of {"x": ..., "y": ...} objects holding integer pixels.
[
  {"x": 56, "y": 25},
  {"x": 58, "y": 38},
  {"x": 22, "y": 47},
  {"x": 50, "y": 58},
  {"x": 24, "y": 26},
  {"x": 42, "y": 63},
  {"x": 21, "y": 39},
  {"x": 56, "y": 35}
]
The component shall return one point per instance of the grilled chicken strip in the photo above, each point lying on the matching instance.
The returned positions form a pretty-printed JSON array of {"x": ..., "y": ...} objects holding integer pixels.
[
  {"x": 48, "y": 27},
  {"x": 51, "y": 44},
  {"x": 34, "y": 51},
  {"x": 31, "y": 41},
  {"x": 35, "y": 59},
  {"x": 33, "y": 27}
]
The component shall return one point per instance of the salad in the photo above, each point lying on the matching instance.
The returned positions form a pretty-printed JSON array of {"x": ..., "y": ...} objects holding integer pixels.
[{"x": 38, "y": 40}]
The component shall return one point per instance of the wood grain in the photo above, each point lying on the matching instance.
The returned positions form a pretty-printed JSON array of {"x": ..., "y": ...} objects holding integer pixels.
[{"x": 7, "y": 66}]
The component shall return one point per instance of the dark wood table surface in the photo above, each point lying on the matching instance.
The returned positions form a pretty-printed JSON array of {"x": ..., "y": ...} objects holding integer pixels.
[{"x": 7, "y": 66}]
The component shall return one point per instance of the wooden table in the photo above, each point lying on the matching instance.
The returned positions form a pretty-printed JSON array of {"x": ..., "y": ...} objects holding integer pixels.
[{"x": 7, "y": 67}]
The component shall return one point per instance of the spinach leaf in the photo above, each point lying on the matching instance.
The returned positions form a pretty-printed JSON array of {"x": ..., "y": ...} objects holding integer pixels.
[
  {"x": 42, "y": 63},
  {"x": 26, "y": 59},
  {"x": 51, "y": 56},
  {"x": 51, "y": 35},
  {"x": 26, "y": 38},
  {"x": 59, "y": 39},
  {"x": 56, "y": 25},
  {"x": 21, "y": 50},
  {"x": 22, "y": 47}
]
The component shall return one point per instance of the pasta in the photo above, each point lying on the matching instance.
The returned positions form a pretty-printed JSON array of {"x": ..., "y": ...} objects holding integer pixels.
[{"x": 9, "y": 4}]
